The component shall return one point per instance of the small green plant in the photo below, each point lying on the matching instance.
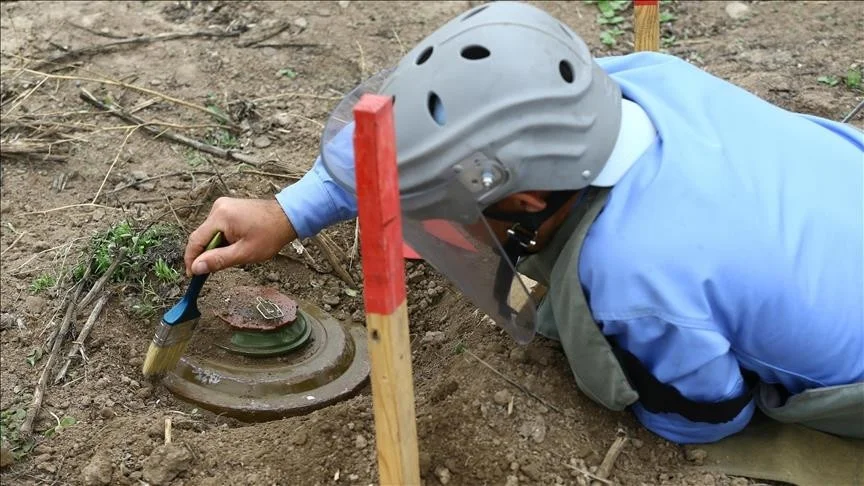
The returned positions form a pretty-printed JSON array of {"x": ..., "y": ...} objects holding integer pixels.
[
  {"x": 609, "y": 37},
  {"x": 829, "y": 80},
  {"x": 194, "y": 158},
  {"x": 42, "y": 283},
  {"x": 222, "y": 138},
  {"x": 853, "y": 78},
  {"x": 63, "y": 423},
  {"x": 34, "y": 357},
  {"x": 459, "y": 347},
  {"x": 11, "y": 420},
  {"x": 668, "y": 41},
  {"x": 165, "y": 273},
  {"x": 610, "y": 14},
  {"x": 666, "y": 17},
  {"x": 213, "y": 106},
  {"x": 288, "y": 73}
]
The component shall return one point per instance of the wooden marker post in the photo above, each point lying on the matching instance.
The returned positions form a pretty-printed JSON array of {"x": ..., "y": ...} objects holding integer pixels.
[
  {"x": 646, "y": 25},
  {"x": 384, "y": 291}
]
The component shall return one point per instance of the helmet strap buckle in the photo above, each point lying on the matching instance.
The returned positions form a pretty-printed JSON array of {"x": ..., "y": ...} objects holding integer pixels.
[{"x": 526, "y": 238}]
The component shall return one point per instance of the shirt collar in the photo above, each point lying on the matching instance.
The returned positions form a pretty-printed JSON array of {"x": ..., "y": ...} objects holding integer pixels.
[{"x": 635, "y": 135}]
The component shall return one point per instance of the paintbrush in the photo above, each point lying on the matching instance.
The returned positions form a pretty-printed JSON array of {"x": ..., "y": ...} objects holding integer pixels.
[{"x": 177, "y": 325}]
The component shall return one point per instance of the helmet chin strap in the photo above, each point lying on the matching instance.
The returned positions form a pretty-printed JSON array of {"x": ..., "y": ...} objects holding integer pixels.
[{"x": 522, "y": 240}]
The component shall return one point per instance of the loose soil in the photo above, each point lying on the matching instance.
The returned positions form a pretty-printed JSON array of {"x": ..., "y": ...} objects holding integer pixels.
[{"x": 474, "y": 428}]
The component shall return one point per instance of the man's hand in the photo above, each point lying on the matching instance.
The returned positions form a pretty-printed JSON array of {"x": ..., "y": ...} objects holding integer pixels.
[{"x": 256, "y": 229}]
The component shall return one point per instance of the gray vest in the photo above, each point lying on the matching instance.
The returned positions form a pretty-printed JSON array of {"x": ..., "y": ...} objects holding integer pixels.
[{"x": 564, "y": 315}]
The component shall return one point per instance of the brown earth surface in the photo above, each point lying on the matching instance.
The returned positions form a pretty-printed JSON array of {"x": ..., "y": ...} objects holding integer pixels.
[{"x": 279, "y": 91}]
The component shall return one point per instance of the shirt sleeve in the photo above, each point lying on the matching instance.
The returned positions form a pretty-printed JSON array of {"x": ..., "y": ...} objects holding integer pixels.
[
  {"x": 316, "y": 200},
  {"x": 697, "y": 362}
]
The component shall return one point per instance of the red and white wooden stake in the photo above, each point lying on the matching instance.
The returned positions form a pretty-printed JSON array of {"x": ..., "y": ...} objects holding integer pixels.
[
  {"x": 384, "y": 291},
  {"x": 646, "y": 25}
]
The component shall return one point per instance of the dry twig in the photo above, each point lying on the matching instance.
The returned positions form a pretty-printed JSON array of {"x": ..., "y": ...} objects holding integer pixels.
[
  {"x": 78, "y": 344},
  {"x": 852, "y": 113},
  {"x": 135, "y": 88},
  {"x": 13, "y": 242},
  {"x": 203, "y": 147},
  {"x": 26, "y": 429},
  {"x": 113, "y": 163},
  {"x": 109, "y": 272},
  {"x": 588, "y": 474},
  {"x": 330, "y": 250},
  {"x": 514, "y": 383},
  {"x": 90, "y": 50},
  {"x": 608, "y": 463},
  {"x": 268, "y": 34}
]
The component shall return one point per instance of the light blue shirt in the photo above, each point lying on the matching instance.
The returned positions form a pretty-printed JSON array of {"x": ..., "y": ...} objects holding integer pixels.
[{"x": 736, "y": 240}]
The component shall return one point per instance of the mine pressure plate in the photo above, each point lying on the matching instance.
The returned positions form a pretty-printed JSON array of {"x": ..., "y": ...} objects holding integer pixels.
[{"x": 263, "y": 355}]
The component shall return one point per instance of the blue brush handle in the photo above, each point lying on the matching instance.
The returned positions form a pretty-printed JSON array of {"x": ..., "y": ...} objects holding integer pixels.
[{"x": 187, "y": 309}]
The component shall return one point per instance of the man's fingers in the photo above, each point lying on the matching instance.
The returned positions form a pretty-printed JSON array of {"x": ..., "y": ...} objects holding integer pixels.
[
  {"x": 198, "y": 241},
  {"x": 216, "y": 259}
]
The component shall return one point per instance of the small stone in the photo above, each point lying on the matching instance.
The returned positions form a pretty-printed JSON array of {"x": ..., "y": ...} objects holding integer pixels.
[
  {"x": 156, "y": 431},
  {"x": 357, "y": 316},
  {"x": 360, "y": 442},
  {"x": 737, "y": 10},
  {"x": 512, "y": 481},
  {"x": 146, "y": 187},
  {"x": 637, "y": 443},
  {"x": 425, "y": 462},
  {"x": 166, "y": 463},
  {"x": 35, "y": 304},
  {"x": 443, "y": 475},
  {"x": 696, "y": 455},
  {"x": 353, "y": 477},
  {"x": 532, "y": 470},
  {"x": 155, "y": 82},
  {"x": 138, "y": 175},
  {"x": 535, "y": 429},
  {"x": 144, "y": 393},
  {"x": 433, "y": 337},
  {"x": 261, "y": 142},
  {"x": 514, "y": 466},
  {"x": 106, "y": 413},
  {"x": 740, "y": 482},
  {"x": 299, "y": 438},
  {"x": 301, "y": 22},
  {"x": 6, "y": 457},
  {"x": 518, "y": 355},
  {"x": 273, "y": 277},
  {"x": 541, "y": 356},
  {"x": 502, "y": 397},
  {"x": 330, "y": 299}
]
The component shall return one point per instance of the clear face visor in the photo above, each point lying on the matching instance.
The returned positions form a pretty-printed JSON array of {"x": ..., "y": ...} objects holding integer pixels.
[{"x": 471, "y": 256}]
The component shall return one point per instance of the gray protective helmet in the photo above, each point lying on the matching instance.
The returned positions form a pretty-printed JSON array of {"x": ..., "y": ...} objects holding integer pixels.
[{"x": 501, "y": 99}]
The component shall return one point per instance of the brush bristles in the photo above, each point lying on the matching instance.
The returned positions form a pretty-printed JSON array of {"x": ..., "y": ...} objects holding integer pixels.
[{"x": 162, "y": 359}]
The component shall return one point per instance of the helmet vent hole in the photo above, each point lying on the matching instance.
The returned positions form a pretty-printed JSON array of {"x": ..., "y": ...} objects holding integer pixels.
[
  {"x": 436, "y": 109},
  {"x": 475, "y": 52},
  {"x": 473, "y": 13},
  {"x": 425, "y": 55},
  {"x": 566, "y": 71}
]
